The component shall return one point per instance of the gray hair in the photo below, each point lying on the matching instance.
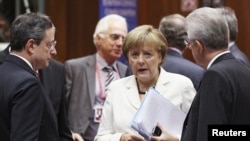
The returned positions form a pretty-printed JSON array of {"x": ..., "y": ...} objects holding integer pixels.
[
  {"x": 173, "y": 27},
  {"x": 208, "y": 26},
  {"x": 103, "y": 24},
  {"x": 232, "y": 22},
  {"x": 28, "y": 26}
]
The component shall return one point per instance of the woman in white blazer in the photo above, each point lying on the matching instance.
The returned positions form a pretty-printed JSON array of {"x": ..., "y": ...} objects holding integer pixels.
[{"x": 145, "y": 49}]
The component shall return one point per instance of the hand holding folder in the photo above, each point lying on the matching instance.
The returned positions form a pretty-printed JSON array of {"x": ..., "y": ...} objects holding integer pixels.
[{"x": 156, "y": 108}]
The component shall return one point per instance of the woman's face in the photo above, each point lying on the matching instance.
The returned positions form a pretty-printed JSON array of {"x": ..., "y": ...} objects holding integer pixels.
[{"x": 144, "y": 62}]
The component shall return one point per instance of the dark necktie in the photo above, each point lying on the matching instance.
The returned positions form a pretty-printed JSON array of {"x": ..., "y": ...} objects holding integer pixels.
[{"x": 37, "y": 75}]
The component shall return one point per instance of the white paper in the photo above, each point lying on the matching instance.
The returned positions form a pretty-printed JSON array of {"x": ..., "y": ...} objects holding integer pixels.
[{"x": 156, "y": 108}]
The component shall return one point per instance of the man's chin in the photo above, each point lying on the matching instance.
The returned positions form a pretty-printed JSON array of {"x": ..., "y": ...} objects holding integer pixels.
[{"x": 117, "y": 55}]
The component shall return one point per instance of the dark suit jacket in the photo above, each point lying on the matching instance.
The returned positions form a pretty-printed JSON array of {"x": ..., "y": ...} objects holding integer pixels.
[
  {"x": 175, "y": 63},
  {"x": 26, "y": 114},
  {"x": 3, "y": 55},
  {"x": 239, "y": 55},
  {"x": 223, "y": 98},
  {"x": 53, "y": 80}
]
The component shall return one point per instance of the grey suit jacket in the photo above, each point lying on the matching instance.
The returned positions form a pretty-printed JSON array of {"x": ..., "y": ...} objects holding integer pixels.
[{"x": 80, "y": 84}]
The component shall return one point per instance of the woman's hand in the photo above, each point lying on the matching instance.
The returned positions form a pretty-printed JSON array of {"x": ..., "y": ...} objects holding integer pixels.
[
  {"x": 165, "y": 135},
  {"x": 131, "y": 137}
]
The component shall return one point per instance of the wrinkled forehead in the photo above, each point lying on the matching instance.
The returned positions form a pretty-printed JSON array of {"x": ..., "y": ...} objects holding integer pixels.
[
  {"x": 117, "y": 28},
  {"x": 143, "y": 46}
]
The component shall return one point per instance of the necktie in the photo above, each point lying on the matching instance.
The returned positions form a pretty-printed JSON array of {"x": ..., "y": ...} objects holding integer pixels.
[
  {"x": 110, "y": 77},
  {"x": 37, "y": 75}
]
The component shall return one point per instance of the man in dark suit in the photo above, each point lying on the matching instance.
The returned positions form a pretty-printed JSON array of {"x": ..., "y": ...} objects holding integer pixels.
[
  {"x": 86, "y": 76},
  {"x": 54, "y": 91},
  {"x": 173, "y": 28},
  {"x": 232, "y": 22},
  {"x": 223, "y": 98},
  {"x": 26, "y": 112},
  {"x": 53, "y": 81}
]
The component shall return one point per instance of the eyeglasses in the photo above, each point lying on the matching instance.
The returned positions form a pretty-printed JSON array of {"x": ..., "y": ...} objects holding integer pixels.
[
  {"x": 115, "y": 37},
  {"x": 188, "y": 42},
  {"x": 51, "y": 45}
]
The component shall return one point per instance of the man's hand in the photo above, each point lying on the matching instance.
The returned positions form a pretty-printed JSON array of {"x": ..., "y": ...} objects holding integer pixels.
[{"x": 77, "y": 137}]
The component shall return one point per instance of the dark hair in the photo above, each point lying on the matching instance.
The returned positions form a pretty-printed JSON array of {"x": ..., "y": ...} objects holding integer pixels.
[
  {"x": 173, "y": 27},
  {"x": 28, "y": 26}
]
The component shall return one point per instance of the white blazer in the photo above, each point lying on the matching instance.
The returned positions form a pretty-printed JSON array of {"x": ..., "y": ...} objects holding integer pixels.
[{"x": 123, "y": 101}]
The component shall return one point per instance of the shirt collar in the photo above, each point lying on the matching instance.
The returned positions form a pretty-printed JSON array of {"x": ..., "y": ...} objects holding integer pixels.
[
  {"x": 230, "y": 44},
  {"x": 102, "y": 62},
  {"x": 218, "y": 55},
  {"x": 25, "y": 60},
  {"x": 175, "y": 49}
]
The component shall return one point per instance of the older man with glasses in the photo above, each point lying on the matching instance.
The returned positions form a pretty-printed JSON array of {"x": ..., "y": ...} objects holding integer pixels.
[
  {"x": 29, "y": 110},
  {"x": 222, "y": 101},
  {"x": 88, "y": 77}
]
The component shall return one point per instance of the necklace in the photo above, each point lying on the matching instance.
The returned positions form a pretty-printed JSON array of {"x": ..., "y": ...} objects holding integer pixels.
[{"x": 140, "y": 92}]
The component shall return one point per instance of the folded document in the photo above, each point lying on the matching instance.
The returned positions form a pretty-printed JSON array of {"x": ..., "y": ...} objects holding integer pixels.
[{"x": 156, "y": 108}]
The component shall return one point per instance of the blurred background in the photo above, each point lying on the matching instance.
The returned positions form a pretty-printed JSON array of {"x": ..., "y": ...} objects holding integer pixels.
[{"x": 75, "y": 20}]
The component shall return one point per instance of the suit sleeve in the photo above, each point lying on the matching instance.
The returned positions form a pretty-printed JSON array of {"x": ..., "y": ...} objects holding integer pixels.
[
  {"x": 214, "y": 102},
  {"x": 63, "y": 123},
  {"x": 68, "y": 82},
  {"x": 27, "y": 111}
]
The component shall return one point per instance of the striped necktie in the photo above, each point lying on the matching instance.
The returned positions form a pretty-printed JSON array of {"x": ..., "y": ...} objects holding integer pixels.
[{"x": 110, "y": 77}]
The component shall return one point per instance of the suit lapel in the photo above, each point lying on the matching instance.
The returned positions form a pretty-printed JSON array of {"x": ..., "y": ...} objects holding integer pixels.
[
  {"x": 90, "y": 75},
  {"x": 162, "y": 82},
  {"x": 18, "y": 61},
  {"x": 132, "y": 92},
  {"x": 121, "y": 69},
  {"x": 223, "y": 57}
]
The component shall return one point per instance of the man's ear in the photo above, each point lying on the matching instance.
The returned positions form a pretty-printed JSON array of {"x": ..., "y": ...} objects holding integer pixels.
[
  {"x": 200, "y": 46},
  {"x": 98, "y": 39},
  {"x": 30, "y": 46}
]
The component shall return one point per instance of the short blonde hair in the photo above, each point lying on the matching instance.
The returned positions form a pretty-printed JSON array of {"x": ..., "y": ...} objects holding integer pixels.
[{"x": 145, "y": 34}]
